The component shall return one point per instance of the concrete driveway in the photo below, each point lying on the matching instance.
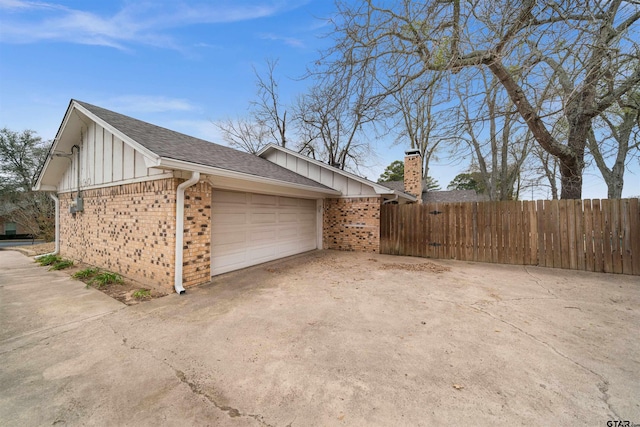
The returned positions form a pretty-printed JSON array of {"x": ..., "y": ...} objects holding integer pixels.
[
  {"x": 327, "y": 338},
  {"x": 13, "y": 243}
]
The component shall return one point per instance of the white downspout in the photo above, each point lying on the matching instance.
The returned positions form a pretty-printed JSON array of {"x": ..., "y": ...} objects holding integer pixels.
[
  {"x": 56, "y": 249},
  {"x": 195, "y": 177}
]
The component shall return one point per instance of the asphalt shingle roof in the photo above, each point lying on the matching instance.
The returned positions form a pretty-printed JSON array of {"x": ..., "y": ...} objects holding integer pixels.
[
  {"x": 177, "y": 146},
  {"x": 450, "y": 196},
  {"x": 444, "y": 196},
  {"x": 393, "y": 185}
]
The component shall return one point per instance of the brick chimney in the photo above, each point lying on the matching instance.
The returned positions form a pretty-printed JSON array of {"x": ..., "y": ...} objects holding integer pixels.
[{"x": 413, "y": 173}]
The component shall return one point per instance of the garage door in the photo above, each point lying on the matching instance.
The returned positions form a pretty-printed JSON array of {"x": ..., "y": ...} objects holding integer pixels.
[{"x": 249, "y": 229}]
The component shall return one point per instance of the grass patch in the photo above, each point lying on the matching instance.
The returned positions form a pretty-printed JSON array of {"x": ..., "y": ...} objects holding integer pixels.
[
  {"x": 87, "y": 273},
  {"x": 142, "y": 294},
  {"x": 48, "y": 259},
  {"x": 106, "y": 278},
  {"x": 55, "y": 262},
  {"x": 61, "y": 264}
]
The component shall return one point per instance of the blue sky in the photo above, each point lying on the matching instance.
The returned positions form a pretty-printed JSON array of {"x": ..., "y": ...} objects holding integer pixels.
[{"x": 178, "y": 64}]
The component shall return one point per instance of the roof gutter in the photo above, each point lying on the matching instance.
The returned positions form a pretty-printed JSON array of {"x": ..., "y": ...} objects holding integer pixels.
[
  {"x": 195, "y": 177},
  {"x": 165, "y": 163},
  {"x": 56, "y": 249},
  {"x": 395, "y": 199}
]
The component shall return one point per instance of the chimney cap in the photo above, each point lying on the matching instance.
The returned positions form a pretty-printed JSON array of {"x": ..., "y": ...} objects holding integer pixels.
[{"x": 412, "y": 152}]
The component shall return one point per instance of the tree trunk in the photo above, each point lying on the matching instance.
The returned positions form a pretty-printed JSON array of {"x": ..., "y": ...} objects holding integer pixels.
[
  {"x": 572, "y": 162},
  {"x": 571, "y": 179}
]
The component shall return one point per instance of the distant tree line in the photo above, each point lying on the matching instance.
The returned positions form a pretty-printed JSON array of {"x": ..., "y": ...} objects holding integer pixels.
[{"x": 22, "y": 154}]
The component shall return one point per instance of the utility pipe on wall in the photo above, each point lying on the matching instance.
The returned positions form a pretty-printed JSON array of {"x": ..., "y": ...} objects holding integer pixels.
[
  {"x": 56, "y": 249},
  {"x": 77, "y": 164},
  {"x": 195, "y": 177}
]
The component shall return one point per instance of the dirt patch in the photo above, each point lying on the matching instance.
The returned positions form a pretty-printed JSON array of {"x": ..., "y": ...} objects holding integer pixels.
[
  {"x": 123, "y": 289},
  {"x": 423, "y": 266},
  {"x": 335, "y": 263},
  {"x": 128, "y": 291}
]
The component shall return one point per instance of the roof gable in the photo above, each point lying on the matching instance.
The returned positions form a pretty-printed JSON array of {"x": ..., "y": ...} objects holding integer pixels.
[
  {"x": 159, "y": 144},
  {"x": 336, "y": 178},
  {"x": 170, "y": 144}
]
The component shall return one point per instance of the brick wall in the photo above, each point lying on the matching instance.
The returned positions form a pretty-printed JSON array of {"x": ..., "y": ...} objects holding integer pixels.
[
  {"x": 197, "y": 235},
  {"x": 130, "y": 229},
  {"x": 352, "y": 224}
]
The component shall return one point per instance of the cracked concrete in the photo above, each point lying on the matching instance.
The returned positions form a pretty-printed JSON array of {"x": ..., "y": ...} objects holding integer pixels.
[{"x": 326, "y": 338}]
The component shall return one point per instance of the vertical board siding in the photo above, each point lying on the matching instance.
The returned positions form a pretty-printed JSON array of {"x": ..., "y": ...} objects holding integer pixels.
[
  {"x": 104, "y": 159},
  {"x": 589, "y": 235},
  {"x": 108, "y": 157},
  {"x": 98, "y": 156}
]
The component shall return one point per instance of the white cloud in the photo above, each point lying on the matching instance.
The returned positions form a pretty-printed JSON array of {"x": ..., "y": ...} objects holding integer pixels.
[
  {"x": 23, "y": 5},
  {"x": 148, "y": 104},
  {"x": 136, "y": 23},
  {"x": 290, "y": 41}
]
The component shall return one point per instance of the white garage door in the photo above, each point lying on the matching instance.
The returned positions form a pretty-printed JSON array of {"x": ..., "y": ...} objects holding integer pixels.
[{"x": 249, "y": 229}]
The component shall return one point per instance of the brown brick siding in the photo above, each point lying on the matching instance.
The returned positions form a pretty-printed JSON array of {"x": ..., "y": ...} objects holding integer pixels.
[
  {"x": 130, "y": 229},
  {"x": 352, "y": 224},
  {"x": 197, "y": 235},
  {"x": 413, "y": 176}
]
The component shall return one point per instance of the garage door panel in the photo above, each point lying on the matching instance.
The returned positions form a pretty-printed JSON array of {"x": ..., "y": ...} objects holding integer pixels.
[
  {"x": 263, "y": 199},
  {"x": 249, "y": 229},
  {"x": 260, "y": 236},
  {"x": 288, "y": 201},
  {"x": 307, "y": 203},
  {"x": 262, "y": 254},
  {"x": 307, "y": 234},
  {"x": 229, "y": 262},
  {"x": 287, "y": 233},
  {"x": 231, "y": 237},
  {"x": 288, "y": 217},
  {"x": 307, "y": 217},
  {"x": 229, "y": 218},
  {"x": 230, "y": 197},
  {"x": 263, "y": 218}
]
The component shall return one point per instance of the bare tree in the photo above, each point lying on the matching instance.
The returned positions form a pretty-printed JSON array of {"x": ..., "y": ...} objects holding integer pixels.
[
  {"x": 244, "y": 134},
  {"x": 500, "y": 150},
  {"x": 421, "y": 117},
  {"x": 333, "y": 114},
  {"x": 267, "y": 121},
  {"x": 618, "y": 136},
  {"x": 268, "y": 110},
  {"x": 547, "y": 169},
  {"x": 583, "y": 46}
]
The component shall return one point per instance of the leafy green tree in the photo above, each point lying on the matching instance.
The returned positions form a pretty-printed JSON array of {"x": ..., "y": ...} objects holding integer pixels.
[
  {"x": 21, "y": 157},
  {"x": 431, "y": 184},
  {"x": 464, "y": 181},
  {"x": 393, "y": 172}
]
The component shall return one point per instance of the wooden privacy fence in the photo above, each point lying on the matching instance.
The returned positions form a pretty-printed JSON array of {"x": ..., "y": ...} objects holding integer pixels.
[{"x": 591, "y": 235}]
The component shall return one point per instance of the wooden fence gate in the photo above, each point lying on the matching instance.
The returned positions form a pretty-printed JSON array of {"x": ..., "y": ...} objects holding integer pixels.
[{"x": 591, "y": 235}]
